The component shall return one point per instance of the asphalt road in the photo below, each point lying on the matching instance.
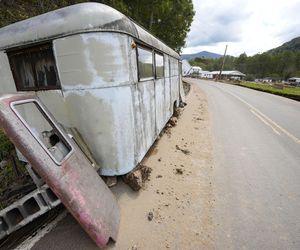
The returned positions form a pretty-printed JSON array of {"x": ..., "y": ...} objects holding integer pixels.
[{"x": 257, "y": 167}]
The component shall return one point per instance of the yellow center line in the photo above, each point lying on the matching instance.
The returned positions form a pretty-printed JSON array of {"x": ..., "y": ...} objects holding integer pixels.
[
  {"x": 264, "y": 121},
  {"x": 269, "y": 120}
]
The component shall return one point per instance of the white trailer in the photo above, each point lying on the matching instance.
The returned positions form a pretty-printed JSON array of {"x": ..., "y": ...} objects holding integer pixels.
[{"x": 96, "y": 71}]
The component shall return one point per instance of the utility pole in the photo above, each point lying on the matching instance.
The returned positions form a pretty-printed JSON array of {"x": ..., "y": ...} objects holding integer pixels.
[{"x": 219, "y": 77}]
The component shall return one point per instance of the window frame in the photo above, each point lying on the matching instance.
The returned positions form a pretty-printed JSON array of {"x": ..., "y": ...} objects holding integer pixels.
[
  {"x": 160, "y": 54},
  {"x": 27, "y": 51},
  {"x": 140, "y": 46}
]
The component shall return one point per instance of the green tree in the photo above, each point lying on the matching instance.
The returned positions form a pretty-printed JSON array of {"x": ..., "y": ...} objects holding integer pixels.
[
  {"x": 241, "y": 63},
  {"x": 169, "y": 20}
]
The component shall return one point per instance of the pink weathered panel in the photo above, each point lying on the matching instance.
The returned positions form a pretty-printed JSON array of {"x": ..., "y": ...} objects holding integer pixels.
[{"x": 72, "y": 179}]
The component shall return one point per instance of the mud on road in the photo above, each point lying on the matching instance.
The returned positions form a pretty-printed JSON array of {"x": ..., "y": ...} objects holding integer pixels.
[{"x": 174, "y": 208}]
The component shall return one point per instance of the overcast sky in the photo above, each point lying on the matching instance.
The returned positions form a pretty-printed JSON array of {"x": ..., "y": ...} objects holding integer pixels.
[{"x": 252, "y": 26}]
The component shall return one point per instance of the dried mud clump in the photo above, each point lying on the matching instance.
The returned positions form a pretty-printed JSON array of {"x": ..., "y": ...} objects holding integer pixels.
[
  {"x": 185, "y": 151},
  {"x": 179, "y": 171},
  {"x": 150, "y": 216},
  {"x": 173, "y": 121},
  {"x": 136, "y": 178},
  {"x": 146, "y": 171},
  {"x": 177, "y": 112}
]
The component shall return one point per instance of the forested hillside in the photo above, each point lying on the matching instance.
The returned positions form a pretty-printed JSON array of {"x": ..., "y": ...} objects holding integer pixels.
[
  {"x": 167, "y": 19},
  {"x": 279, "y": 63},
  {"x": 293, "y": 45}
]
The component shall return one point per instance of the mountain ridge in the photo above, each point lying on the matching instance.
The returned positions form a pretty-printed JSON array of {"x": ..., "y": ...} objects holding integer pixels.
[
  {"x": 202, "y": 54},
  {"x": 292, "y": 45}
]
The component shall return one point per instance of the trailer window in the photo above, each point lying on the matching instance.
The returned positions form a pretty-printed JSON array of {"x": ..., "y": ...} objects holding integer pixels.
[
  {"x": 43, "y": 130},
  {"x": 34, "y": 68},
  {"x": 159, "y": 65},
  {"x": 145, "y": 63}
]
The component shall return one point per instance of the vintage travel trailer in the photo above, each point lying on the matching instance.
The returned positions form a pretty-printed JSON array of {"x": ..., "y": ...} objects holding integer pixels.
[{"x": 99, "y": 74}]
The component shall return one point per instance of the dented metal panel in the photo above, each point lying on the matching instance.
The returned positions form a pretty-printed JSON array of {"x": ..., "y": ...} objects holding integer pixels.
[
  {"x": 104, "y": 117},
  {"x": 93, "y": 60},
  {"x": 69, "y": 174},
  {"x": 145, "y": 117},
  {"x": 160, "y": 104}
]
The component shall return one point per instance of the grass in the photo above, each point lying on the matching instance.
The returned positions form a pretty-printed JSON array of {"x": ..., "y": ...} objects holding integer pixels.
[{"x": 286, "y": 91}]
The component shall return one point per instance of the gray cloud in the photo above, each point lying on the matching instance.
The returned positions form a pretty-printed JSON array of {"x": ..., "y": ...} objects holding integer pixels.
[
  {"x": 246, "y": 26},
  {"x": 290, "y": 22},
  {"x": 213, "y": 24}
]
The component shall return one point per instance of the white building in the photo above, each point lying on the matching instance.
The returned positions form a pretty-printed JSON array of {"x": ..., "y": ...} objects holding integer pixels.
[
  {"x": 195, "y": 71},
  {"x": 228, "y": 74},
  {"x": 206, "y": 74}
]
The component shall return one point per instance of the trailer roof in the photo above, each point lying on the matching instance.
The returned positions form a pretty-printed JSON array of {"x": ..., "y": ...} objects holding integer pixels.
[{"x": 75, "y": 19}]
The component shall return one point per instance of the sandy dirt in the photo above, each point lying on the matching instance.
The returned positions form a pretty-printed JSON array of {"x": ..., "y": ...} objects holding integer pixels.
[{"x": 174, "y": 209}]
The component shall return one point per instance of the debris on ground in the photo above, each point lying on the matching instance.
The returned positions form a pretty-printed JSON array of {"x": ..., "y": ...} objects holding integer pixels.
[
  {"x": 167, "y": 131},
  {"x": 159, "y": 176},
  {"x": 177, "y": 112},
  {"x": 133, "y": 248},
  {"x": 111, "y": 181},
  {"x": 186, "y": 87},
  {"x": 150, "y": 216},
  {"x": 179, "y": 171},
  {"x": 185, "y": 151},
  {"x": 173, "y": 121},
  {"x": 146, "y": 171},
  {"x": 136, "y": 178}
]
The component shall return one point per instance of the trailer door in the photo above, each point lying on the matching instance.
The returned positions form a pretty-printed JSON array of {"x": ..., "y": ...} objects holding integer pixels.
[{"x": 63, "y": 166}]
